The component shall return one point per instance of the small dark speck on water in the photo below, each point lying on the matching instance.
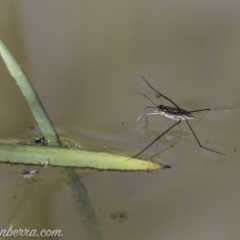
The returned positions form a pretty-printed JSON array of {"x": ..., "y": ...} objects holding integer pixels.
[
  {"x": 31, "y": 127},
  {"x": 206, "y": 141},
  {"x": 122, "y": 123},
  {"x": 120, "y": 216},
  {"x": 235, "y": 149},
  {"x": 157, "y": 96}
]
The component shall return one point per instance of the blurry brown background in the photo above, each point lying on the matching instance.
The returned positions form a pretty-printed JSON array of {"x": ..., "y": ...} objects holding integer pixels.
[{"x": 85, "y": 59}]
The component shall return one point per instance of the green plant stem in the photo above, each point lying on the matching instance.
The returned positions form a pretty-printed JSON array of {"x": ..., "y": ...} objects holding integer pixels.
[
  {"x": 31, "y": 96},
  {"x": 15, "y": 153},
  {"x": 64, "y": 157},
  {"x": 79, "y": 193}
]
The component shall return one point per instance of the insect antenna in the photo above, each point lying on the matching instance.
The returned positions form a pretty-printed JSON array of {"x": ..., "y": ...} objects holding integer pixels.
[
  {"x": 149, "y": 99},
  {"x": 159, "y": 92}
]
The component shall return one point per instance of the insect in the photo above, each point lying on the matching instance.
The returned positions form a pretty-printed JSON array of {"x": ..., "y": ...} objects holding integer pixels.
[
  {"x": 29, "y": 174},
  {"x": 41, "y": 141},
  {"x": 176, "y": 113}
]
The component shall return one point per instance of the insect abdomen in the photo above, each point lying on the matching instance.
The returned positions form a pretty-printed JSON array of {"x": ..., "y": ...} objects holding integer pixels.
[{"x": 177, "y": 114}]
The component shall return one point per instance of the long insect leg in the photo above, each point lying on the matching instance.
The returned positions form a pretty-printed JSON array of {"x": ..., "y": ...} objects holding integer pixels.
[
  {"x": 146, "y": 124},
  {"x": 200, "y": 145},
  {"x": 147, "y": 131},
  {"x": 208, "y": 109},
  {"x": 142, "y": 115},
  {"x": 200, "y": 110},
  {"x": 146, "y": 116},
  {"x": 157, "y": 139},
  {"x": 159, "y": 92}
]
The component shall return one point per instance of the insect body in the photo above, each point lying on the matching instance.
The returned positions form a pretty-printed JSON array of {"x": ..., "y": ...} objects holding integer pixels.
[
  {"x": 176, "y": 113},
  {"x": 41, "y": 141},
  {"x": 29, "y": 174}
]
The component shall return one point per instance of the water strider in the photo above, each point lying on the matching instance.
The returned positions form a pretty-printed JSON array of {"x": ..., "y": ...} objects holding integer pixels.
[
  {"x": 176, "y": 113},
  {"x": 29, "y": 174}
]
